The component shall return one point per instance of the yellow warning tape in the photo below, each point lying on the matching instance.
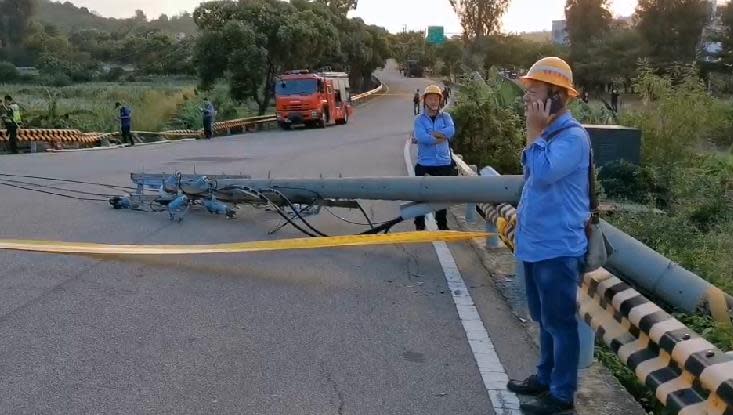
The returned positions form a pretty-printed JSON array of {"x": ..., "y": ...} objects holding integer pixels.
[{"x": 255, "y": 246}]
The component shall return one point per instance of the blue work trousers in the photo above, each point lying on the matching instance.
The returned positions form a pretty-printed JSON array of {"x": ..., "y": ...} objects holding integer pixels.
[{"x": 552, "y": 289}]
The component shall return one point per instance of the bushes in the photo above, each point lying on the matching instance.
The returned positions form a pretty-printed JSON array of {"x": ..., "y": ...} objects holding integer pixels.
[
  {"x": 8, "y": 72},
  {"x": 489, "y": 129},
  {"x": 684, "y": 177},
  {"x": 188, "y": 116},
  {"x": 622, "y": 180},
  {"x": 677, "y": 119}
]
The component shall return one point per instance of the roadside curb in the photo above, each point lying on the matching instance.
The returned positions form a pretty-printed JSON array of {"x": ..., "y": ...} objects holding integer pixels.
[
  {"x": 599, "y": 393},
  {"x": 118, "y": 146}
]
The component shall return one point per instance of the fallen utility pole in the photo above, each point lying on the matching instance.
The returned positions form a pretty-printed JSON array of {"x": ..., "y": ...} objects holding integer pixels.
[{"x": 458, "y": 190}]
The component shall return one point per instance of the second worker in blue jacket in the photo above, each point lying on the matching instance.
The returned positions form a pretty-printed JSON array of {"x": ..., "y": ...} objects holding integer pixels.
[{"x": 434, "y": 130}]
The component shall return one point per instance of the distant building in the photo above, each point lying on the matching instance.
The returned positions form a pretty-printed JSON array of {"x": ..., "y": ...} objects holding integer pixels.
[{"x": 560, "y": 32}]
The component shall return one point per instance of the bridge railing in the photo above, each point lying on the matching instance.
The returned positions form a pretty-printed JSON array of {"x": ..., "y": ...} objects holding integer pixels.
[{"x": 688, "y": 374}]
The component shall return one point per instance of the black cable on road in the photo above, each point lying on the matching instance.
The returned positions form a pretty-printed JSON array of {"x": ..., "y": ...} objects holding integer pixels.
[
  {"x": 58, "y": 188},
  {"x": 56, "y": 179},
  {"x": 53, "y": 193}
]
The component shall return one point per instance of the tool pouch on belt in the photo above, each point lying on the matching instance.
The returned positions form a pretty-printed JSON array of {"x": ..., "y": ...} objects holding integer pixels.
[{"x": 599, "y": 249}]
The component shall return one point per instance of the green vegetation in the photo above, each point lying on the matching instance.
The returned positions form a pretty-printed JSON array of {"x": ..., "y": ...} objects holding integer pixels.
[
  {"x": 683, "y": 175},
  {"x": 86, "y": 62},
  {"x": 90, "y": 106},
  {"x": 686, "y": 172},
  {"x": 490, "y": 129},
  {"x": 249, "y": 44}
]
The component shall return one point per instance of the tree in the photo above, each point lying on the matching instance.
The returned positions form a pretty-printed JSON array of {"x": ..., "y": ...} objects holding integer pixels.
[
  {"x": 671, "y": 29},
  {"x": 8, "y": 72},
  {"x": 412, "y": 46},
  {"x": 586, "y": 20},
  {"x": 341, "y": 7},
  {"x": 480, "y": 18},
  {"x": 451, "y": 54},
  {"x": 608, "y": 59},
  {"x": 509, "y": 52},
  {"x": 726, "y": 18},
  {"x": 140, "y": 16},
  {"x": 250, "y": 43},
  {"x": 15, "y": 17}
]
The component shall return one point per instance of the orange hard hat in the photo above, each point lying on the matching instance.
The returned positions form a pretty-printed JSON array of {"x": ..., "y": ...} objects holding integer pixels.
[{"x": 553, "y": 71}]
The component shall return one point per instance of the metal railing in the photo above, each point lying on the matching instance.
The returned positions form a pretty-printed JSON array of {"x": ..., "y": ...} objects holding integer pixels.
[{"x": 688, "y": 374}]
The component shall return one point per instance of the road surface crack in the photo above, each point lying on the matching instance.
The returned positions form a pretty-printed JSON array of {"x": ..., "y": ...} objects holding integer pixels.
[{"x": 329, "y": 378}]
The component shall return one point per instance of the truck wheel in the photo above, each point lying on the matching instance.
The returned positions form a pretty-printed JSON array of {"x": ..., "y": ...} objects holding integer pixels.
[
  {"x": 321, "y": 123},
  {"x": 284, "y": 125}
]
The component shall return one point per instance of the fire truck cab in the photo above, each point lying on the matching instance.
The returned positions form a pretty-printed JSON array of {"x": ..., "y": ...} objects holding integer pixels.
[{"x": 312, "y": 99}]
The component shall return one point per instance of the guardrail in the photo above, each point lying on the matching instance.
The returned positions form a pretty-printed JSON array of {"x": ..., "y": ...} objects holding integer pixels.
[
  {"x": 359, "y": 97},
  {"x": 56, "y": 138},
  {"x": 688, "y": 374}
]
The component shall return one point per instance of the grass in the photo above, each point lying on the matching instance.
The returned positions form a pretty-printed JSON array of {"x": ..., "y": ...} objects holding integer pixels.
[{"x": 89, "y": 107}]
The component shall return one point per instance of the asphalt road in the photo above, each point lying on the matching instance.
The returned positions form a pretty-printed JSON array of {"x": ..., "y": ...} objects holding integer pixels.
[{"x": 343, "y": 331}]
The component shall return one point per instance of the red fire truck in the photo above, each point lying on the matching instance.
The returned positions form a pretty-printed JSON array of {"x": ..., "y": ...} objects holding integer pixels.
[{"x": 315, "y": 99}]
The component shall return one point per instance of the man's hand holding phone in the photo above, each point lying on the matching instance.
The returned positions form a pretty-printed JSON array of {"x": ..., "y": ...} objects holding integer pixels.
[{"x": 538, "y": 117}]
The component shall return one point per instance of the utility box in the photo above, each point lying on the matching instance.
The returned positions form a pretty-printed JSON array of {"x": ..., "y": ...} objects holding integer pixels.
[{"x": 615, "y": 143}]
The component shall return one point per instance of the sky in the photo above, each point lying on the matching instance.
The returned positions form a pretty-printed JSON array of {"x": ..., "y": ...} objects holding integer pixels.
[{"x": 523, "y": 15}]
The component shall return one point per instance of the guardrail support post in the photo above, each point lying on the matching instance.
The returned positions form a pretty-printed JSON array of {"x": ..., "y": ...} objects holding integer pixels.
[
  {"x": 587, "y": 344},
  {"x": 471, "y": 207},
  {"x": 492, "y": 241}
]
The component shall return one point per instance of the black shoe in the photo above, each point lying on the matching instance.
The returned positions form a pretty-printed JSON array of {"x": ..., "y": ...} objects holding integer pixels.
[
  {"x": 530, "y": 386},
  {"x": 548, "y": 405}
]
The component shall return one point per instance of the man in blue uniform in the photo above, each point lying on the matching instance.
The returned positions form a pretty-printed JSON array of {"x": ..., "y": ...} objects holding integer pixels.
[{"x": 434, "y": 130}]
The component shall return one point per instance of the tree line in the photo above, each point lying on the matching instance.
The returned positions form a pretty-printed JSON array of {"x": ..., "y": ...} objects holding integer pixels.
[
  {"x": 603, "y": 50},
  {"x": 246, "y": 44},
  {"x": 250, "y": 43}
]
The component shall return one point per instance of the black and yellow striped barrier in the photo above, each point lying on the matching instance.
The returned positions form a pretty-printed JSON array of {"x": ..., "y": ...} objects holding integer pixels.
[{"x": 688, "y": 374}]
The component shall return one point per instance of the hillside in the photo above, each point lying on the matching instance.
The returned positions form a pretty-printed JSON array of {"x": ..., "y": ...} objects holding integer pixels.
[{"x": 67, "y": 17}]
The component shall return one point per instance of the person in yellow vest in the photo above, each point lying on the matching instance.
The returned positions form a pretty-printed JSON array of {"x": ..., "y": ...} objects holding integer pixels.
[{"x": 11, "y": 119}]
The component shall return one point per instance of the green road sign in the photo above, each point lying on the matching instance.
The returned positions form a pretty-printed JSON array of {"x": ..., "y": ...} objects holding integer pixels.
[{"x": 436, "y": 35}]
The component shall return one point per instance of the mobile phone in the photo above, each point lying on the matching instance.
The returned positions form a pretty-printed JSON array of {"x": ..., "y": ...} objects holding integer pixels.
[{"x": 556, "y": 103}]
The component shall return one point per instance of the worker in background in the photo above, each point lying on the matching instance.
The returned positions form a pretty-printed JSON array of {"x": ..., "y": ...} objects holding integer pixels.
[
  {"x": 125, "y": 118},
  {"x": 586, "y": 97},
  {"x": 433, "y": 132},
  {"x": 208, "y": 112},
  {"x": 416, "y": 102},
  {"x": 11, "y": 119},
  {"x": 550, "y": 238},
  {"x": 614, "y": 100}
]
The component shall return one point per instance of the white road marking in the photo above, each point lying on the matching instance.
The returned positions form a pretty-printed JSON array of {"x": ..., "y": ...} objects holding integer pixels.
[{"x": 492, "y": 371}]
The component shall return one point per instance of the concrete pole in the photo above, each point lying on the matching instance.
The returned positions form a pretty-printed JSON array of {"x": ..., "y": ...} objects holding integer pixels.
[{"x": 455, "y": 190}]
